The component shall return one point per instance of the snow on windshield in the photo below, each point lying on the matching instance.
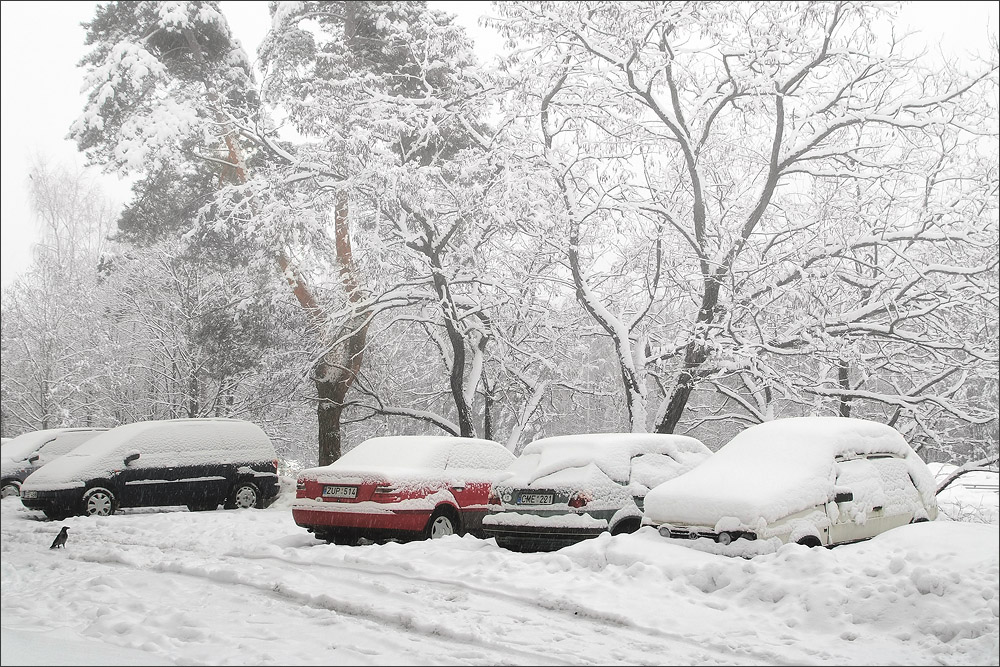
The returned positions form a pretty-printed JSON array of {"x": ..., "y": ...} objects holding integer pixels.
[
  {"x": 778, "y": 468},
  {"x": 611, "y": 452},
  {"x": 24, "y": 445},
  {"x": 164, "y": 443}
]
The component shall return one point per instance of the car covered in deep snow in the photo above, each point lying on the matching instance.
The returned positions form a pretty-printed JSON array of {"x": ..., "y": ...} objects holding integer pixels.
[
  {"x": 565, "y": 489},
  {"x": 30, "y": 451},
  {"x": 810, "y": 480},
  {"x": 400, "y": 487},
  {"x": 201, "y": 463}
]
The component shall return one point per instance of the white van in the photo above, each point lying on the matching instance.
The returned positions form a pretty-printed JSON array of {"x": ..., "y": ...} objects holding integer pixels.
[
  {"x": 200, "y": 463},
  {"x": 30, "y": 451},
  {"x": 817, "y": 481}
]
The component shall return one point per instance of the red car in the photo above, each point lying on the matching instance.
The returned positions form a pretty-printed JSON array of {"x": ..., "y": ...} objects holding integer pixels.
[{"x": 402, "y": 487}]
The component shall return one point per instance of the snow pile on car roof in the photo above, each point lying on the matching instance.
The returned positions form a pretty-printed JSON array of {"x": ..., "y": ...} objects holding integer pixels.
[
  {"x": 404, "y": 454},
  {"x": 161, "y": 443},
  {"x": 777, "y": 468},
  {"x": 611, "y": 452}
]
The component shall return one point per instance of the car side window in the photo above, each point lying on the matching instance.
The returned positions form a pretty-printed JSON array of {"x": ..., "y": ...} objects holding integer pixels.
[
  {"x": 862, "y": 478},
  {"x": 901, "y": 495}
]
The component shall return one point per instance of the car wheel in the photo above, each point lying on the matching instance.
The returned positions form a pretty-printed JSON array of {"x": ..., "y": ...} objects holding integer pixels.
[
  {"x": 810, "y": 541},
  {"x": 99, "y": 502},
  {"x": 441, "y": 523},
  {"x": 10, "y": 489},
  {"x": 245, "y": 495}
]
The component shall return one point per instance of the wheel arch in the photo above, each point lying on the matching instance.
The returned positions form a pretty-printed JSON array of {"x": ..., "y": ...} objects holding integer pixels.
[{"x": 449, "y": 509}]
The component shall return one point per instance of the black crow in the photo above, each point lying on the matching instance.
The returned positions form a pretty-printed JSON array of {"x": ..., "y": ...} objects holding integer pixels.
[{"x": 60, "y": 540}]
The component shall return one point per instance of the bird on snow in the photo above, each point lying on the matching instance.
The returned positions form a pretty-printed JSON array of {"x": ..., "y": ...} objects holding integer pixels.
[{"x": 60, "y": 540}]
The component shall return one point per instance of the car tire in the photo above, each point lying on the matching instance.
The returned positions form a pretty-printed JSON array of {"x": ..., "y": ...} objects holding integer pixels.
[
  {"x": 810, "y": 541},
  {"x": 99, "y": 501},
  {"x": 9, "y": 489},
  {"x": 443, "y": 522},
  {"x": 244, "y": 496}
]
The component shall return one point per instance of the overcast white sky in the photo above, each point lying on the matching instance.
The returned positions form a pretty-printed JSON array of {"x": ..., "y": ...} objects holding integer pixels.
[{"x": 42, "y": 42}]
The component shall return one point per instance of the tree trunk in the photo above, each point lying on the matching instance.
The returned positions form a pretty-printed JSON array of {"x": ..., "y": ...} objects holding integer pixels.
[
  {"x": 328, "y": 411},
  {"x": 694, "y": 356},
  {"x": 843, "y": 378},
  {"x": 332, "y": 379}
]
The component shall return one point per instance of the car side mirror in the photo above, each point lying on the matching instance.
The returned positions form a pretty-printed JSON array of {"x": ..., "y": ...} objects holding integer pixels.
[
  {"x": 34, "y": 457},
  {"x": 131, "y": 457},
  {"x": 843, "y": 497}
]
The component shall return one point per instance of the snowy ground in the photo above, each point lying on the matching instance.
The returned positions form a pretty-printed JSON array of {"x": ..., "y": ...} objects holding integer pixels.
[{"x": 250, "y": 587}]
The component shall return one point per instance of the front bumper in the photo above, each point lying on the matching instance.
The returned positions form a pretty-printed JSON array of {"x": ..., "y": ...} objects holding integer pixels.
[
  {"x": 694, "y": 532},
  {"x": 63, "y": 501}
]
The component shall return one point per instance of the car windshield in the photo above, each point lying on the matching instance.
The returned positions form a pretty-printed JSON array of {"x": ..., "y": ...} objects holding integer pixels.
[
  {"x": 410, "y": 452},
  {"x": 25, "y": 445}
]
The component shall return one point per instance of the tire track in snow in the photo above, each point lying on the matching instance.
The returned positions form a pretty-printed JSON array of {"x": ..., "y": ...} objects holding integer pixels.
[
  {"x": 572, "y": 611},
  {"x": 424, "y": 608}
]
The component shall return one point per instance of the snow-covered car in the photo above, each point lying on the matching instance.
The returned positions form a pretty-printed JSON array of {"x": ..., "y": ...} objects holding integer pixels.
[
  {"x": 401, "y": 487},
  {"x": 200, "y": 463},
  {"x": 30, "y": 451},
  {"x": 565, "y": 489},
  {"x": 811, "y": 480}
]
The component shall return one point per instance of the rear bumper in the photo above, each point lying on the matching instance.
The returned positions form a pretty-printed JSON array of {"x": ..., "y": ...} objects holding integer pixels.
[{"x": 361, "y": 522}]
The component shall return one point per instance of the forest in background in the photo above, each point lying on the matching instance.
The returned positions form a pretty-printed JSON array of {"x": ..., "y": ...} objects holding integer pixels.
[{"x": 671, "y": 217}]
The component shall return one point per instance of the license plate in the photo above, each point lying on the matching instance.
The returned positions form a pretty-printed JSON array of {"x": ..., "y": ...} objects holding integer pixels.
[
  {"x": 340, "y": 492},
  {"x": 29, "y": 494},
  {"x": 535, "y": 499}
]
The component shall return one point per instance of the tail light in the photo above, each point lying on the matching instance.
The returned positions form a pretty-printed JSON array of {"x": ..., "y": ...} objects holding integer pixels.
[
  {"x": 274, "y": 462},
  {"x": 300, "y": 484},
  {"x": 580, "y": 499},
  {"x": 494, "y": 498}
]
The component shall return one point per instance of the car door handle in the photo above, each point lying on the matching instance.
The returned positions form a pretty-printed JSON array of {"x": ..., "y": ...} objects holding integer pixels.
[{"x": 877, "y": 508}]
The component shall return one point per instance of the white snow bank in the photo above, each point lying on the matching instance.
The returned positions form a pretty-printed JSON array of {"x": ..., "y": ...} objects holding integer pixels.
[{"x": 169, "y": 584}]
